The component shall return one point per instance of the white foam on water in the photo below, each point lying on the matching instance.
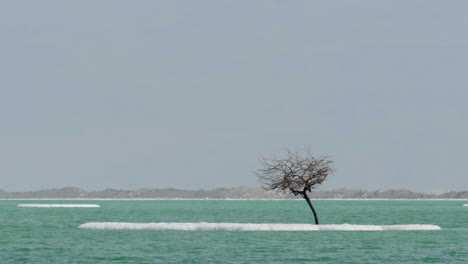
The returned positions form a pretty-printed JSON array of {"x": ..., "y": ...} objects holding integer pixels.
[
  {"x": 465, "y": 205},
  {"x": 59, "y": 205},
  {"x": 249, "y": 227}
]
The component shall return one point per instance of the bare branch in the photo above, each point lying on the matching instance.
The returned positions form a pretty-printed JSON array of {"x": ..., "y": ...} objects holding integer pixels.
[{"x": 300, "y": 171}]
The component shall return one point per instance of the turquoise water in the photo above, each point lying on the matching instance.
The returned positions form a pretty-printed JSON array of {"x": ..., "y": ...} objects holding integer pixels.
[{"x": 51, "y": 235}]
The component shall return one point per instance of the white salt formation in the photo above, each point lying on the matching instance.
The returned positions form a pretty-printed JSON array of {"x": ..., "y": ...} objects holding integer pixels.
[
  {"x": 59, "y": 205},
  {"x": 250, "y": 227}
]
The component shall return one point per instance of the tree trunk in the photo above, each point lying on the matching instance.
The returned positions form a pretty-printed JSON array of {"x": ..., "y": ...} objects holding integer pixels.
[{"x": 304, "y": 195}]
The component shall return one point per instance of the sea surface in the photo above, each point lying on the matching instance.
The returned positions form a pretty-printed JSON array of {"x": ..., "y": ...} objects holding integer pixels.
[{"x": 51, "y": 235}]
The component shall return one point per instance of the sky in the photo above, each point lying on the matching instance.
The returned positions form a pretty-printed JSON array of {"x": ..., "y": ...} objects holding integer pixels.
[{"x": 189, "y": 94}]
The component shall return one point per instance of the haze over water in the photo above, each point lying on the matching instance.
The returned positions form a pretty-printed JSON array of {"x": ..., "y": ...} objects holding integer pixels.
[{"x": 187, "y": 94}]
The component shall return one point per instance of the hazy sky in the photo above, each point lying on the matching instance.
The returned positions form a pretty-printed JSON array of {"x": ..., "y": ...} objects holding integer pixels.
[{"x": 187, "y": 94}]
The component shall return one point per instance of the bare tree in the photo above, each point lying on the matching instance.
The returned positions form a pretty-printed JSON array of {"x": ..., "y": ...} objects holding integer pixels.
[{"x": 299, "y": 172}]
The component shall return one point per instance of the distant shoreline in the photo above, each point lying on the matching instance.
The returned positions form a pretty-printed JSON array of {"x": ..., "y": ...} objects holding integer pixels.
[
  {"x": 239, "y": 193},
  {"x": 215, "y": 199}
]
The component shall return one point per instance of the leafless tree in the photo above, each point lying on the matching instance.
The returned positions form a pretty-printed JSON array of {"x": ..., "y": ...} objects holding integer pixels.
[{"x": 299, "y": 172}]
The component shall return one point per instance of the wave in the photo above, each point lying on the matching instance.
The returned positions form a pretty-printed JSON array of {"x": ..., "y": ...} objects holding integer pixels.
[
  {"x": 58, "y": 205},
  {"x": 465, "y": 205},
  {"x": 249, "y": 227}
]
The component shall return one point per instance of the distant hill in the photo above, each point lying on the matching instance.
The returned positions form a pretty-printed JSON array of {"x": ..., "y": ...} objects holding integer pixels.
[{"x": 224, "y": 193}]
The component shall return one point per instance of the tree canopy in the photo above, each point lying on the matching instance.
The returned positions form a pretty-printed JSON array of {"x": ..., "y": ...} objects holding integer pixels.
[{"x": 298, "y": 172}]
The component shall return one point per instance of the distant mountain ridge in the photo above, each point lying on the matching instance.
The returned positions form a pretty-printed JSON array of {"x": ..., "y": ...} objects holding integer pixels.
[{"x": 224, "y": 193}]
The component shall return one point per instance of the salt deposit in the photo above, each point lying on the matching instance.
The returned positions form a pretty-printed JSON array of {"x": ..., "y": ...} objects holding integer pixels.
[
  {"x": 250, "y": 227},
  {"x": 58, "y": 205}
]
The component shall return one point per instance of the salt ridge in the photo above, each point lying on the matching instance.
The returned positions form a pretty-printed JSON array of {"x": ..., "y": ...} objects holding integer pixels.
[
  {"x": 249, "y": 227},
  {"x": 59, "y": 205}
]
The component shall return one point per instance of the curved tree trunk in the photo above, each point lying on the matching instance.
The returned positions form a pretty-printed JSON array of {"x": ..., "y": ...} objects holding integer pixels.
[{"x": 304, "y": 195}]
